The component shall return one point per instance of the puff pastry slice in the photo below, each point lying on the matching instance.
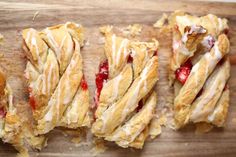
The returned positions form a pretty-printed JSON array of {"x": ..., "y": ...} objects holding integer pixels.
[
  {"x": 58, "y": 90},
  {"x": 13, "y": 128},
  {"x": 125, "y": 100},
  {"x": 199, "y": 76}
]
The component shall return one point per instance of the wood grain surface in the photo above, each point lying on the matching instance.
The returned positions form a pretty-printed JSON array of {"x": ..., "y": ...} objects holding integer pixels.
[{"x": 17, "y": 15}]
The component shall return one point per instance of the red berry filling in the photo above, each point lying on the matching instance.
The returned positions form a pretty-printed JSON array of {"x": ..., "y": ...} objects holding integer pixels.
[
  {"x": 140, "y": 105},
  {"x": 226, "y": 87},
  {"x": 130, "y": 59},
  {"x": 3, "y": 113},
  {"x": 83, "y": 84},
  {"x": 32, "y": 102},
  {"x": 226, "y": 31},
  {"x": 183, "y": 72},
  {"x": 155, "y": 53},
  {"x": 101, "y": 76}
]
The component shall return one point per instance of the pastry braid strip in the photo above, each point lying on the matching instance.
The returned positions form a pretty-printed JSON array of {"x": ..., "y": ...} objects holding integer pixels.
[
  {"x": 114, "y": 89},
  {"x": 116, "y": 50},
  {"x": 139, "y": 141},
  {"x": 76, "y": 115},
  {"x": 212, "y": 90},
  {"x": 218, "y": 116},
  {"x": 197, "y": 78},
  {"x": 127, "y": 133}
]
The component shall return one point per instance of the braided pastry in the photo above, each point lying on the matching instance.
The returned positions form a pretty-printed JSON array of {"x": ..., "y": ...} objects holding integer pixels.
[
  {"x": 13, "y": 129},
  {"x": 58, "y": 91},
  {"x": 199, "y": 69},
  {"x": 125, "y": 99}
]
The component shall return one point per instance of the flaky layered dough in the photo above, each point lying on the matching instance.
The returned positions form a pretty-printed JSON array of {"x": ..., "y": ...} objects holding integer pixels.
[
  {"x": 132, "y": 75},
  {"x": 201, "y": 98},
  {"x": 188, "y": 33},
  {"x": 197, "y": 78},
  {"x": 58, "y": 90},
  {"x": 13, "y": 128}
]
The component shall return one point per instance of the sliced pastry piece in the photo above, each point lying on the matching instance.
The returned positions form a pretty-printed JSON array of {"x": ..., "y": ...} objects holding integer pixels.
[
  {"x": 125, "y": 98},
  {"x": 199, "y": 69},
  {"x": 58, "y": 92},
  {"x": 13, "y": 129}
]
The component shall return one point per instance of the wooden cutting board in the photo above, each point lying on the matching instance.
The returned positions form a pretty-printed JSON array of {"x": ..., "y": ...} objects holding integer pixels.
[{"x": 17, "y": 15}]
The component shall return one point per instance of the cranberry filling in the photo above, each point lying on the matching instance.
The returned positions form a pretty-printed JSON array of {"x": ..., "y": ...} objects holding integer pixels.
[
  {"x": 183, "y": 72},
  {"x": 83, "y": 84},
  {"x": 155, "y": 53},
  {"x": 226, "y": 87},
  {"x": 3, "y": 113},
  {"x": 226, "y": 31},
  {"x": 32, "y": 102},
  {"x": 101, "y": 76},
  {"x": 140, "y": 105},
  {"x": 130, "y": 59}
]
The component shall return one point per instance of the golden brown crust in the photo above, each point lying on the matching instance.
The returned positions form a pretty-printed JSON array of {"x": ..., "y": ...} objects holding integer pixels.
[
  {"x": 58, "y": 90},
  {"x": 13, "y": 129},
  {"x": 114, "y": 89},
  {"x": 197, "y": 78},
  {"x": 219, "y": 114},
  {"x": 116, "y": 50},
  {"x": 139, "y": 88},
  {"x": 126, "y": 134},
  {"x": 197, "y": 96},
  {"x": 133, "y": 67},
  {"x": 211, "y": 93}
]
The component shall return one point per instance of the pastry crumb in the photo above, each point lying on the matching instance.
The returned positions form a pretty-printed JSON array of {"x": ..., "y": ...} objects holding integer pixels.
[
  {"x": 132, "y": 30},
  {"x": 87, "y": 43},
  {"x": 106, "y": 29},
  {"x": 155, "y": 126},
  {"x": 99, "y": 147},
  {"x": 76, "y": 140},
  {"x": 203, "y": 128},
  {"x": 35, "y": 15},
  {"x": 160, "y": 23}
]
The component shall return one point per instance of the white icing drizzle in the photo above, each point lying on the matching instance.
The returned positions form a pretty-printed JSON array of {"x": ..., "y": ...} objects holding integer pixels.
[
  {"x": 133, "y": 98},
  {"x": 220, "y": 28},
  {"x": 123, "y": 45},
  {"x": 116, "y": 86},
  {"x": 117, "y": 54},
  {"x": 113, "y": 48},
  {"x": 48, "y": 116},
  {"x": 205, "y": 41},
  {"x": 217, "y": 51},
  {"x": 212, "y": 91},
  {"x": 217, "y": 110},
  {"x": 53, "y": 42},
  {"x": 193, "y": 28},
  {"x": 49, "y": 79}
]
